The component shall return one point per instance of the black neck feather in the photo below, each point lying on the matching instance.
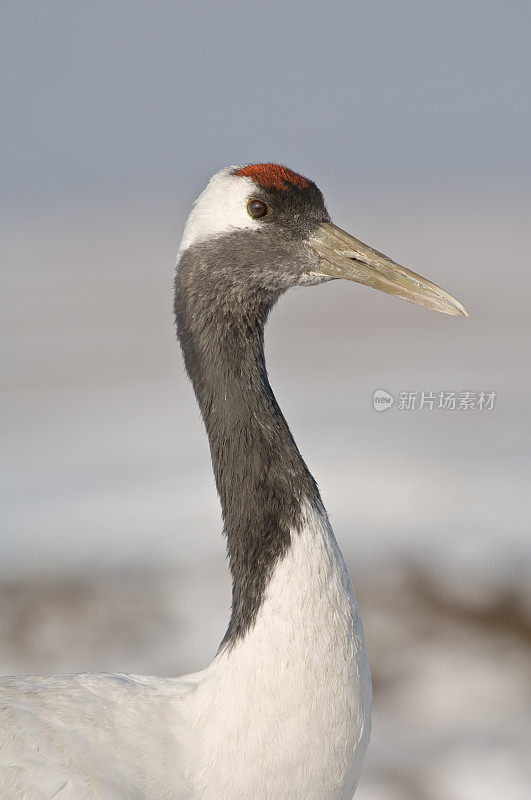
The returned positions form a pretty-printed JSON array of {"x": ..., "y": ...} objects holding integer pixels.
[{"x": 260, "y": 475}]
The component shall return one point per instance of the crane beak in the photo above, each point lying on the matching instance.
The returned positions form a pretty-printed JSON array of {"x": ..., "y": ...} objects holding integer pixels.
[{"x": 343, "y": 256}]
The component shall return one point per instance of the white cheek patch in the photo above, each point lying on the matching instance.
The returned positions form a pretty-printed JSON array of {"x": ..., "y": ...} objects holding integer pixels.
[{"x": 221, "y": 208}]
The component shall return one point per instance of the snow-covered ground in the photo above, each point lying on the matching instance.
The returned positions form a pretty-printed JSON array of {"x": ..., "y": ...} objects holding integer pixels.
[{"x": 111, "y": 557}]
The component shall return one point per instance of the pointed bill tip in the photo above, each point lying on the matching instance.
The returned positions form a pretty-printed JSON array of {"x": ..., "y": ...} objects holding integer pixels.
[{"x": 451, "y": 306}]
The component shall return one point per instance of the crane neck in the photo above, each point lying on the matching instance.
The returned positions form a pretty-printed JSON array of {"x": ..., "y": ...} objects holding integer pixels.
[{"x": 261, "y": 478}]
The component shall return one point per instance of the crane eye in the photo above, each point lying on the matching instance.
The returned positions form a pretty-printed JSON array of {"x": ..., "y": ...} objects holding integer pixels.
[{"x": 257, "y": 209}]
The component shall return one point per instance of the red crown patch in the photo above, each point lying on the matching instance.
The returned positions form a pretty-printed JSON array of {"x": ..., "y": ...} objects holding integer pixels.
[{"x": 273, "y": 176}]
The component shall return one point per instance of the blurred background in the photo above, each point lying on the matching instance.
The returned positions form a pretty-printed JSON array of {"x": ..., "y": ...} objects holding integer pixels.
[{"x": 414, "y": 119}]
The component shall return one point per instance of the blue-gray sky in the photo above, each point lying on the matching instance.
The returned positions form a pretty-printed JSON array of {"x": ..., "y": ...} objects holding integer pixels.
[{"x": 138, "y": 96}]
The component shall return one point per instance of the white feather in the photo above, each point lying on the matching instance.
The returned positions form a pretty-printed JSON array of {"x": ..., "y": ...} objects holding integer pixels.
[
  {"x": 284, "y": 714},
  {"x": 220, "y": 208}
]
